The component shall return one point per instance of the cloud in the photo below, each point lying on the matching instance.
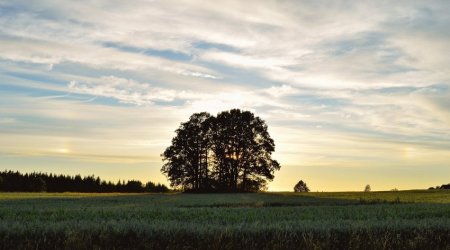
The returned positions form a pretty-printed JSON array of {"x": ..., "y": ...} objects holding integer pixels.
[
  {"x": 363, "y": 45},
  {"x": 280, "y": 91},
  {"x": 334, "y": 80},
  {"x": 7, "y": 120},
  {"x": 54, "y": 52},
  {"x": 124, "y": 90}
]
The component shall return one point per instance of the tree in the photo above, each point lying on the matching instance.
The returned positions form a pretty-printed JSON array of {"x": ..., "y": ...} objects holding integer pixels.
[
  {"x": 134, "y": 186},
  {"x": 37, "y": 184},
  {"x": 301, "y": 187},
  {"x": 230, "y": 152},
  {"x": 187, "y": 158},
  {"x": 242, "y": 149},
  {"x": 367, "y": 188},
  {"x": 41, "y": 182}
]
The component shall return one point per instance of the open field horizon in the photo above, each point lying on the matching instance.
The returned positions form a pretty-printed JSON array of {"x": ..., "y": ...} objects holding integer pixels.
[
  {"x": 412, "y": 196},
  {"x": 187, "y": 124},
  {"x": 312, "y": 175},
  {"x": 400, "y": 220}
]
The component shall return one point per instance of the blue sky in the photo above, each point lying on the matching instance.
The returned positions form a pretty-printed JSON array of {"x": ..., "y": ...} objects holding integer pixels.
[{"x": 354, "y": 93}]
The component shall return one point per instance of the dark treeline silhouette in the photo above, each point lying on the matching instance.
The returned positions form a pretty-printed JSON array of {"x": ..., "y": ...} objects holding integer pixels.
[
  {"x": 443, "y": 186},
  {"x": 42, "y": 182},
  {"x": 231, "y": 152}
]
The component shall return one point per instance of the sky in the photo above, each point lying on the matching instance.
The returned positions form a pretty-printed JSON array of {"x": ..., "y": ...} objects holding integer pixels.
[{"x": 353, "y": 92}]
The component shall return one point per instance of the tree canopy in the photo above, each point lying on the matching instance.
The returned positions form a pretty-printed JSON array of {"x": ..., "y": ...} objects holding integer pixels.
[
  {"x": 231, "y": 152},
  {"x": 301, "y": 187},
  {"x": 40, "y": 182}
]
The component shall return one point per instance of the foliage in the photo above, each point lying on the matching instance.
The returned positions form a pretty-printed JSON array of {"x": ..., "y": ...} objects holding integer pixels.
[
  {"x": 39, "y": 182},
  {"x": 367, "y": 188},
  {"x": 225, "y": 221},
  {"x": 229, "y": 153},
  {"x": 187, "y": 158},
  {"x": 301, "y": 187},
  {"x": 443, "y": 186}
]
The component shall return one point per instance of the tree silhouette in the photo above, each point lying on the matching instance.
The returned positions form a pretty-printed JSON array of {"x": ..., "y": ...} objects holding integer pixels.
[
  {"x": 301, "y": 187},
  {"x": 187, "y": 157},
  {"x": 367, "y": 188},
  {"x": 37, "y": 184},
  {"x": 40, "y": 182},
  {"x": 230, "y": 152}
]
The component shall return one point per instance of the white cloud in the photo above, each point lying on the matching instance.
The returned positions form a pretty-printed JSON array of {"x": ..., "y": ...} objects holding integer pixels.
[
  {"x": 280, "y": 91},
  {"x": 289, "y": 42},
  {"x": 124, "y": 90},
  {"x": 54, "y": 52},
  {"x": 237, "y": 60},
  {"x": 331, "y": 70}
]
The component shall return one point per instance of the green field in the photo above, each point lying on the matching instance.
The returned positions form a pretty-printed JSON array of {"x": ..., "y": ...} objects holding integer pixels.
[{"x": 345, "y": 220}]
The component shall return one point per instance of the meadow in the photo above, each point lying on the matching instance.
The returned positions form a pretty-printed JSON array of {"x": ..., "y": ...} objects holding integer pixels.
[{"x": 344, "y": 220}]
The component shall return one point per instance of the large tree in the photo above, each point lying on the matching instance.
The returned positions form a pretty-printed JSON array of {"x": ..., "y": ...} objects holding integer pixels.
[
  {"x": 187, "y": 158},
  {"x": 230, "y": 152}
]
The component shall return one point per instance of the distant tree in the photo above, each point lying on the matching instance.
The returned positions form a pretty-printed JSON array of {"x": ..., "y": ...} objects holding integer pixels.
[
  {"x": 161, "y": 188},
  {"x": 367, "y": 188},
  {"x": 301, "y": 187},
  {"x": 134, "y": 186},
  {"x": 230, "y": 152},
  {"x": 155, "y": 188},
  {"x": 39, "y": 182},
  {"x": 149, "y": 186}
]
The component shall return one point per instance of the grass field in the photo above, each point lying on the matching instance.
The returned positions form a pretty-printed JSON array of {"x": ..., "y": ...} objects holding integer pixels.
[{"x": 345, "y": 220}]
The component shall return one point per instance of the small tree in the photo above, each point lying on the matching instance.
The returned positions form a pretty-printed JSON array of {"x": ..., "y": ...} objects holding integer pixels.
[
  {"x": 301, "y": 187},
  {"x": 367, "y": 188}
]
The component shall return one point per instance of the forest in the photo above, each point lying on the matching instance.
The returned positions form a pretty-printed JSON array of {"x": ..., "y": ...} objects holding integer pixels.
[{"x": 11, "y": 181}]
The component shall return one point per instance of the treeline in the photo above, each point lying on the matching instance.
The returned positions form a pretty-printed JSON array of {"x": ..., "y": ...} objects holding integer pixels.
[
  {"x": 42, "y": 182},
  {"x": 443, "y": 186}
]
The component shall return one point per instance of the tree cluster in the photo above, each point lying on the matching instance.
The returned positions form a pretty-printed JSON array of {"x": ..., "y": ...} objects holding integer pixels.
[
  {"x": 230, "y": 152},
  {"x": 443, "y": 186},
  {"x": 40, "y": 182}
]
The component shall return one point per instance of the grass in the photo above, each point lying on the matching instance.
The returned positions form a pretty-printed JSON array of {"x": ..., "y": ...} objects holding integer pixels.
[{"x": 344, "y": 220}]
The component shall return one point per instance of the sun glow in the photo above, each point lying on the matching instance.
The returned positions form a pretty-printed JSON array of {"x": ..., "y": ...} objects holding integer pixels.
[
  {"x": 63, "y": 150},
  {"x": 409, "y": 152}
]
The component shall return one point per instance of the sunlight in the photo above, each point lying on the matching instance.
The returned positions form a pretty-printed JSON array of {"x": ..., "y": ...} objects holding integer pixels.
[
  {"x": 233, "y": 156},
  {"x": 409, "y": 152},
  {"x": 63, "y": 150}
]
